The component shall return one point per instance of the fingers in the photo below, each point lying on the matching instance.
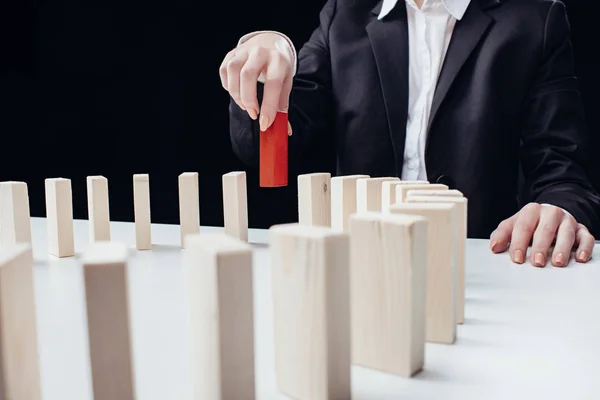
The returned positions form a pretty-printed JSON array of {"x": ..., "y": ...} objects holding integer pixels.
[
  {"x": 550, "y": 218},
  {"x": 257, "y": 60},
  {"x": 275, "y": 77},
  {"x": 500, "y": 238},
  {"x": 585, "y": 242},
  {"x": 565, "y": 238},
  {"x": 223, "y": 68},
  {"x": 525, "y": 226},
  {"x": 234, "y": 67}
]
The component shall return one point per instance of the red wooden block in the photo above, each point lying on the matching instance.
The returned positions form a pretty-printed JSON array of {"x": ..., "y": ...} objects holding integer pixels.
[{"x": 274, "y": 153}]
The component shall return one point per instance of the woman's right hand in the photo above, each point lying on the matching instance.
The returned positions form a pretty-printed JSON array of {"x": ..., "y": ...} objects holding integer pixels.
[{"x": 269, "y": 56}]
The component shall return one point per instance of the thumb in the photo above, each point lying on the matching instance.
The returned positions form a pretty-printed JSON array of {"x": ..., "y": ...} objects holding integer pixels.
[{"x": 500, "y": 238}]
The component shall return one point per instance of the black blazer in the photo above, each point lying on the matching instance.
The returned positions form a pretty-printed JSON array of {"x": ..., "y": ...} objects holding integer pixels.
[{"x": 506, "y": 99}]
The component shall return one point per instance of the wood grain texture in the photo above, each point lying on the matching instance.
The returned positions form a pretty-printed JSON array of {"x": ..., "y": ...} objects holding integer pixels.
[
  {"x": 461, "y": 234},
  {"x": 441, "y": 266},
  {"x": 15, "y": 221},
  {"x": 142, "y": 212},
  {"x": 98, "y": 208},
  {"x": 19, "y": 358},
  {"x": 107, "y": 304},
  {"x": 314, "y": 199},
  {"x": 388, "y": 192},
  {"x": 368, "y": 193},
  {"x": 235, "y": 205},
  {"x": 273, "y": 153},
  {"x": 343, "y": 200},
  {"x": 311, "y": 300},
  {"x": 388, "y": 255},
  {"x": 220, "y": 291},
  {"x": 189, "y": 205}
]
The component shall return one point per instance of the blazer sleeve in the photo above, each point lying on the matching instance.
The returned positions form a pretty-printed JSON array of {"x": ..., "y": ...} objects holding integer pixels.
[
  {"x": 554, "y": 152},
  {"x": 310, "y": 101}
]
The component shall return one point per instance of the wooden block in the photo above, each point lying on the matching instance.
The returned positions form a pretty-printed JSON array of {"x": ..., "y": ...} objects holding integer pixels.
[
  {"x": 15, "y": 221},
  {"x": 107, "y": 303},
  {"x": 368, "y": 193},
  {"x": 461, "y": 234},
  {"x": 314, "y": 199},
  {"x": 98, "y": 209},
  {"x": 401, "y": 190},
  {"x": 273, "y": 153},
  {"x": 311, "y": 299},
  {"x": 235, "y": 205},
  {"x": 441, "y": 266},
  {"x": 219, "y": 278},
  {"x": 141, "y": 208},
  {"x": 19, "y": 357},
  {"x": 388, "y": 256},
  {"x": 426, "y": 192},
  {"x": 343, "y": 200},
  {"x": 59, "y": 217},
  {"x": 189, "y": 205},
  {"x": 388, "y": 192}
]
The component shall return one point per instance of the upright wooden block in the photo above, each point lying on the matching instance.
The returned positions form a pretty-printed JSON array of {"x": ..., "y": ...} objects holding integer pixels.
[
  {"x": 189, "y": 205},
  {"x": 402, "y": 190},
  {"x": 461, "y": 234},
  {"x": 388, "y": 256},
  {"x": 368, "y": 193},
  {"x": 141, "y": 208},
  {"x": 388, "y": 192},
  {"x": 59, "y": 217},
  {"x": 15, "y": 221},
  {"x": 219, "y": 277},
  {"x": 235, "y": 205},
  {"x": 311, "y": 286},
  {"x": 19, "y": 358},
  {"x": 426, "y": 192},
  {"x": 343, "y": 200},
  {"x": 273, "y": 153},
  {"x": 98, "y": 209},
  {"x": 107, "y": 302},
  {"x": 314, "y": 199},
  {"x": 441, "y": 266}
]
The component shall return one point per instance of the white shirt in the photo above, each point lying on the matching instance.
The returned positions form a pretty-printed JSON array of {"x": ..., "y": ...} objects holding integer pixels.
[{"x": 429, "y": 32}]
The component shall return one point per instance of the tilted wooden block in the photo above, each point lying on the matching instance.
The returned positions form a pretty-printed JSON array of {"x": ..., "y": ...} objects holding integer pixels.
[
  {"x": 314, "y": 199},
  {"x": 235, "y": 205},
  {"x": 15, "y": 221},
  {"x": 189, "y": 205},
  {"x": 443, "y": 192},
  {"x": 388, "y": 256},
  {"x": 343, "y": 200},
  {"x": 368, "y": 193},
  {"x": 461, "y": 234},
  {"x": 141, "y": 208},
  {"x": 402, "y": 190},
  {"x": 441, "y": 266},
  {"x": 19, "y": 357},
  {"x": 219, "y": 279},
  {"x": 310, "y": 267},
  {"x": 59, "y": 217},
  {"x": 108, "y": 319},
  {"x": 98, "y": 209},
  {"x": 388, "y": 192}
]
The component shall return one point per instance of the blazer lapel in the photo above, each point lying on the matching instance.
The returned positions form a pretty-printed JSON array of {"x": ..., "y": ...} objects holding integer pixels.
[
  {"x": 468, "y": 32},
  {"x": 389, "y": 41}
]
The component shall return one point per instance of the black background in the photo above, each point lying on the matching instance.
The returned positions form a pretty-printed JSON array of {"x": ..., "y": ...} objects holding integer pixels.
[{"x": 116, "y": 88}]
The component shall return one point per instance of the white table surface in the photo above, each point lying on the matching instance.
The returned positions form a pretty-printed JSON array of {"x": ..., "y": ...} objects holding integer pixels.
[{"x": 529, "y": 333}]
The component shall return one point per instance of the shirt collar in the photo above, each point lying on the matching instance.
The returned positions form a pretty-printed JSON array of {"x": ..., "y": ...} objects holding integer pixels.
[{"x": 456, "y": 8}]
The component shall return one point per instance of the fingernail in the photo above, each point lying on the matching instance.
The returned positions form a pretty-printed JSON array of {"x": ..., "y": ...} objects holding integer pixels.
[
  {"x": 493, "y": 246},
  {"x": 559, "y": 260},
  {"x": 583, "y": 256},
  {"x": 253, "y": 114},
  {"x": 289, "y": 129},
  {"x": 518, "y": 256},
  {"x": 264, "y": 122},
  {"x": 539, "y": 260}
]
